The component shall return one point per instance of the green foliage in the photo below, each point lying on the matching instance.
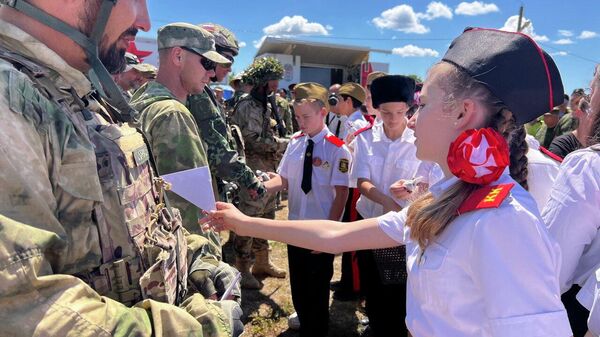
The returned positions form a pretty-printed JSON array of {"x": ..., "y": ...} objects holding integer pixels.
[{"x": 263, "y": 70}]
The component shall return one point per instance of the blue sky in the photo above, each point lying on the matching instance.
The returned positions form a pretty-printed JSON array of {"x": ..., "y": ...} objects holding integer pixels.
[{"x": 418, "y": 32}]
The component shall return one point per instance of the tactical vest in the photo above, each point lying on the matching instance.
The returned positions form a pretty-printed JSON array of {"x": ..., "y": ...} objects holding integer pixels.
[{"x": 144, "y": 251}]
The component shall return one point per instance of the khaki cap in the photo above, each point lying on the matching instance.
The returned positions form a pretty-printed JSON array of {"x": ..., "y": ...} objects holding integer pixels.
[
  {"x": 191, "y": 37},
  {"x": 373, "y": 76},
  {"x": 353, "y": 90},
  {"x": 310, "y": 91}
]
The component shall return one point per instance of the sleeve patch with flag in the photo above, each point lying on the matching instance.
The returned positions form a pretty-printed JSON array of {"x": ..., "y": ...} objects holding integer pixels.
[{"x": 486, "y": 197}]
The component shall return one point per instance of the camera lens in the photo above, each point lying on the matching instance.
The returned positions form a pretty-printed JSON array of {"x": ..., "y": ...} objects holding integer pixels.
[{"x": 333, "y": 100}]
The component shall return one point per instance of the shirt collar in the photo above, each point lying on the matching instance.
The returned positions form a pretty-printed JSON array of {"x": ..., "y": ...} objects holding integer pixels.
[
  {"x": 22, "y": 43},
  {"x": 356, "y": 115},
  {"x": 319, "y": 136},
  {"x": 441, "y": 186},
  {"x": 379, "y": 135}
]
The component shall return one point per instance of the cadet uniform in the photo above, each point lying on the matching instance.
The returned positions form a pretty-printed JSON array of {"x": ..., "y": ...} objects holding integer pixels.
[
  {"x": 328, "y": 161},
  {"x": 176, "y": 144},
  {"x": 573, "y": 217},
  {"x": 263, "y": 151},
  {"x": 334, "y": 123},
  {"x": 589, "y": 297},
  {"x": 76, "y": 236}
]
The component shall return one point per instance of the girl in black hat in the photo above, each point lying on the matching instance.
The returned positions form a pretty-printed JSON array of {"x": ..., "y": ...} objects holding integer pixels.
[{"x": 479, "y": 260}]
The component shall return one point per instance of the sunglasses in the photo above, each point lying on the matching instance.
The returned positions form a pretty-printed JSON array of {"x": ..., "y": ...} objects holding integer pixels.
[{"x": 206, "y": 63}]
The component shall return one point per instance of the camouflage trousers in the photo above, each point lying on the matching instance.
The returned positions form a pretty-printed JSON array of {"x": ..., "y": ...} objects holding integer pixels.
[{"x": 244, "y": 246}]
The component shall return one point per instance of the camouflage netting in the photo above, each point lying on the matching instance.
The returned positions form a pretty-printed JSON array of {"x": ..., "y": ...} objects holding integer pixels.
[{"x": 263, "y": 70}]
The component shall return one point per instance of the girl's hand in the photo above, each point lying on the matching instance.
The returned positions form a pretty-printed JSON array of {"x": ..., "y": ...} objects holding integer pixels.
[{"x": 226, "y": 217}]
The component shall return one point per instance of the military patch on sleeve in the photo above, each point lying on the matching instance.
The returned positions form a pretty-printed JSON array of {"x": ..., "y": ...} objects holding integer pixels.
[{"x": 344, "y": 165}]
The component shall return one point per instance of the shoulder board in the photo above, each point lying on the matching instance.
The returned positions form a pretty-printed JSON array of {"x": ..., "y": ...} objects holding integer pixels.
[
  {"x": 300, "y": 135},
  {"x": 335, "y": 140},
  {"x": 369, "y": 119},
  {"x": 486, "y": 197},
  {"x": 550, "y": 154},
  {"x": 359, "y": 131}
]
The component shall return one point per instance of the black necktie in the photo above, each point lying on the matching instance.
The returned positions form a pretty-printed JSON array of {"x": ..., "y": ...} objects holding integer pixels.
[
  {"x": 307, "y": 172},
  {"x": 337, "y": 129}
]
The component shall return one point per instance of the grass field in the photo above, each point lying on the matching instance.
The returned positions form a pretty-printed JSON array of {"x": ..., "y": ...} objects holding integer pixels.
[{"x": 266, "y": 310}]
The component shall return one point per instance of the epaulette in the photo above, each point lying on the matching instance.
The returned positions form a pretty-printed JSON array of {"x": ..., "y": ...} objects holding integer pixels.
[
  {"x": 335, "y": 140},
  {"x": 369, "y": 119},
  {"x": 359, "y": 131},
  {"x": 300, "y": 135},
  {"x": 550, "y": 154},
  {"x": 486, "y": 197}
]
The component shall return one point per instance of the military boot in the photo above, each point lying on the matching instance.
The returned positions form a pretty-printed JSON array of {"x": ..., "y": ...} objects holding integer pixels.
[
  {"x": 263, "y": 266},
  {"x": 248, "y": 280}
]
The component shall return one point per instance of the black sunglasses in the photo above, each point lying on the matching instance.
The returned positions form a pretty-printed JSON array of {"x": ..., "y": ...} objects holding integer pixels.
[{"x": 206, "y": 63}]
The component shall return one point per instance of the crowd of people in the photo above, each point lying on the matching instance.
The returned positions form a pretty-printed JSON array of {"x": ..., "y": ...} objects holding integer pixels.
[{"x": 467, "y": 205}]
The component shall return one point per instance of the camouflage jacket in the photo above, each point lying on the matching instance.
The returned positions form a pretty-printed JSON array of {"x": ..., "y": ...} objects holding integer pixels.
[
  {"x": 285, "y": 111},
  {"x": 50, "y": 185},
  {"x": 176, "y": 144},
  {"x": 226, "y": 158},
  {"x": 230, "y": 103},
  {"x": 256, "y": 124}
]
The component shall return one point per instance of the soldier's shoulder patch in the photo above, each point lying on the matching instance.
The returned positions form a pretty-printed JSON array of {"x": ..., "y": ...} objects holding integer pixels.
[
  {"x": 344, "y": 165},
  {"x": 486, "y": 197},
  {"x": 335, "y": 140}
]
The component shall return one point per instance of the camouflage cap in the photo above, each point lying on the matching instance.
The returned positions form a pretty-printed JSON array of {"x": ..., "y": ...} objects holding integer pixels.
[
  {"x": 373, "y": 76},
  {"x": 310, "y": 91},
  {"x": 191, "y": 37},
  {"x": 353, "y": 90},
  {"x": 132, "y": 62},
  {"x": 263, "y": 70},
  {"x": 224, "y": 38},
  {"x": 148, "y": 70},
  {"x": 237, "y": 77}
]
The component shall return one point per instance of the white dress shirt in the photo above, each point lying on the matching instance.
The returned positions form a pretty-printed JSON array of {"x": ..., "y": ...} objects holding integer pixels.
[
  {"x": 589, "y": 297},
  {"x": 335, "y": 123},
  {"x": 353, "y": 123},
  {"x": 542, "y": 172},
  {"x": 573, "y": 216},
  {"x": 331, "y": 167},
  {"x": 383, "y": 162},
  {"x": 491, "y": 272}
]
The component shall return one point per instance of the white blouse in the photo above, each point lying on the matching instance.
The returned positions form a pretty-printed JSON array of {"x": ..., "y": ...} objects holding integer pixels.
[{"x": 491, "y": 272}]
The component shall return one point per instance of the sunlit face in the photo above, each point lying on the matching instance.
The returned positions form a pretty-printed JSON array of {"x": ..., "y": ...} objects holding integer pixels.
[
  {"x": 272, "y": 86},
  {"x": 131, "y": 79},
  {"x": 393, "y": 115},
  {"x": 193, "y": 75},
  {"x": 126, "y": 19},
  {"x": 432, "y": 122},
  {"x": 221, "y": 71},
  {"x": 310, "y": 117}
]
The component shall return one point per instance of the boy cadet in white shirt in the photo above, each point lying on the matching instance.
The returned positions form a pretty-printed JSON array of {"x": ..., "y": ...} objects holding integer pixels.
[
  {"x": 480, "y": 263},
  {"x": 351, "y": 97},
  {"x": 383, "y": 155},
  {"x": 315, "y": 171}
]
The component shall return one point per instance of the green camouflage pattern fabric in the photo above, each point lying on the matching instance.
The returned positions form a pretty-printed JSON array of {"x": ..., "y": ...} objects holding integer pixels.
[
  {"x": 285, "y": 112},
  {"x": 231, "y": 103},
  {"x": 263, "y": 70},
  {"x": 227, "y": 161},
  {"x": 223, "y": 36},
  {"x": 50, "y": 189}
]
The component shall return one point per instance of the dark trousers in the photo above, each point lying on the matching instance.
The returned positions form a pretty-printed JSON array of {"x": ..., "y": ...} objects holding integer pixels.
[
  {"x": 385, "y": 303},
  {"x": 310, "y": 275},
  {"x": 577, "y": 313}
]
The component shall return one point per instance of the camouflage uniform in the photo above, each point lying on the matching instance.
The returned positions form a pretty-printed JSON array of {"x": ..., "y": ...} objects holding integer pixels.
[
  {"x": 231, "y": 103},
  {"x": 176, "y": 144},
  {"x": 285, "y": 112},
  {"x": 263, "y": 151},
  {"x": 53, "y": 202}
]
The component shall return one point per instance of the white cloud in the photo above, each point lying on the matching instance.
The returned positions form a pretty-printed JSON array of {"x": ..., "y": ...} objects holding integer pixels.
[
  {"x": 565, "y": 33},
  {"x": 563, "y": 41},
  {"x": 559, "y": 53},
  {"x": 586, "y": 34},
  {"x": 259, "y": 42},
  {"x": 295, "y": 25},
  {"x": 401, "y": 18},
  {"x": 436, "y": 10},
  {"x": 242, "y": 44},
  {"x": 414, "y": 51},
  {"x": 511, "y": 26},
  {"x": 475, "y": 8},
  {"x": 329, "y": 27}
]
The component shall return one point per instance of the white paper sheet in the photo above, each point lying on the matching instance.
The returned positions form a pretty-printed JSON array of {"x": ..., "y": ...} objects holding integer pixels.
[{"x": 195, "y": 186}]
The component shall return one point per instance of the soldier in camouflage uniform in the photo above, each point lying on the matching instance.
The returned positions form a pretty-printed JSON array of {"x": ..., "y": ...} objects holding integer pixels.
[
  {"x": 175, "y": 139},
  {"x": 88, "y": 243},
  {"x": 285, "y": 112},
  {"x": 238, "y": 87},
  {"x": 264, "y": 148}
]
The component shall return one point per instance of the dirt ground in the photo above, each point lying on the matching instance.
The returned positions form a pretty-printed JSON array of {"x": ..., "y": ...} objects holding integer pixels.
[{"x": 266, "y": 310}]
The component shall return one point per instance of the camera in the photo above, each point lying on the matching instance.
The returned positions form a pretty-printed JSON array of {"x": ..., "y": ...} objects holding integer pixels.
[{"x": 333, "y": 99}]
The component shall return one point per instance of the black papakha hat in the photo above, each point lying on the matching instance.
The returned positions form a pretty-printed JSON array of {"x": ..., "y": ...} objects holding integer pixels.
[
  {"x": 513, "y": 67},
  {"x": 392, "y": 88}
]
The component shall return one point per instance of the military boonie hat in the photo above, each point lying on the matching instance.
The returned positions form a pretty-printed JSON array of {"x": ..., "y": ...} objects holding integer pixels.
[
  {"x": 223, "y": 37},
  {"x": 191, "y": 37},
  {"x": 373, "y": 76},
  {"x": 310, "y": 91},
  {"x": 513, "y": 67},
  {"x": 353, "y": 90}
]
